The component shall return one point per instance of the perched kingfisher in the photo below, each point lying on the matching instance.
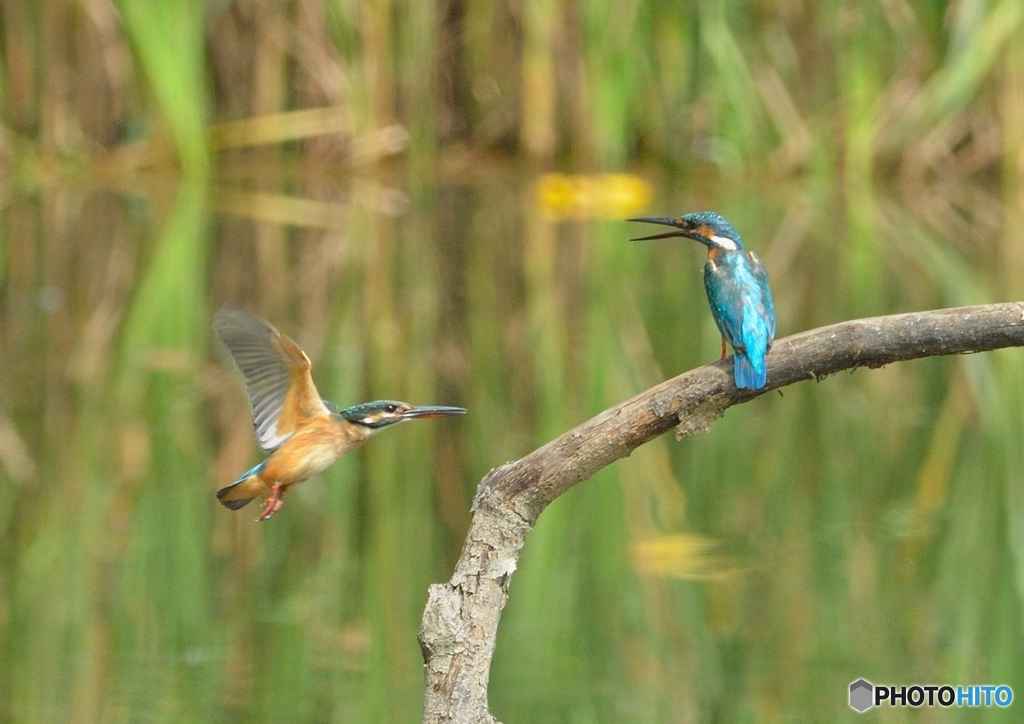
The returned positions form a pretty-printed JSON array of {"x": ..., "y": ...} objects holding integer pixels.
[
  {"x": 303, "y": 433},
  {"x": 738, "y": 291}
]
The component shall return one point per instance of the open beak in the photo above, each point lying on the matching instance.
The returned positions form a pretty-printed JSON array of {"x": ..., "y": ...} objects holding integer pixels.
[
  {"x": 664, "y": 222},
  {"x": 427, "y": 411}
]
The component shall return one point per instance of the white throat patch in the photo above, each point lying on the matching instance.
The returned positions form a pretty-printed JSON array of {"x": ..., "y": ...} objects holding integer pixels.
[{"x": 723, "y": 242}]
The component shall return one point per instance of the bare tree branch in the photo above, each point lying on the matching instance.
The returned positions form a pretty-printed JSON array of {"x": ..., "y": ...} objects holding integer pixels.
[{"x": 460, "y": 622}]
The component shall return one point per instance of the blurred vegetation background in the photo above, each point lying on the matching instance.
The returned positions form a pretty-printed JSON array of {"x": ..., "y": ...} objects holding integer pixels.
[{"x": 426, "y": 197}]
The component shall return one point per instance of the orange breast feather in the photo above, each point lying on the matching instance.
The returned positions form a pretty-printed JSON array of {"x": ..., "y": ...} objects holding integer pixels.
[{"x": 312, "y": 449}]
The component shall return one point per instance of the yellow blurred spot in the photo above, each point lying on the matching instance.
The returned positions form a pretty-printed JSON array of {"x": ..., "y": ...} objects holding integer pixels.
[
  {"x": 594, "y": 196},
  {"x": 684, "y": 556}
]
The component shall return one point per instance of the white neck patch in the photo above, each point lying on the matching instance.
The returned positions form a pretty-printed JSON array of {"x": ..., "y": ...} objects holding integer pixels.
[{"x": 723, "y": 242}]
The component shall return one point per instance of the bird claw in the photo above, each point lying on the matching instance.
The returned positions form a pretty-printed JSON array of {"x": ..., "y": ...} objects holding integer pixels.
[{"x": 272, "y": 504}]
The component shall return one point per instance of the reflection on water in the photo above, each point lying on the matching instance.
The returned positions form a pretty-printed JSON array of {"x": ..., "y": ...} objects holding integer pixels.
[{"x": 867, "y": 526}]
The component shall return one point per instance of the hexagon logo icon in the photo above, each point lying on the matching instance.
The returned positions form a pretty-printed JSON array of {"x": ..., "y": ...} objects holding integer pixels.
[{"x": 861, "y": 695}]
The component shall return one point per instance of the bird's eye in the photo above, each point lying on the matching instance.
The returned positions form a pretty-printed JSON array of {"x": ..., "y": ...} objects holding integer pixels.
[{"x": 390, "y": 408}]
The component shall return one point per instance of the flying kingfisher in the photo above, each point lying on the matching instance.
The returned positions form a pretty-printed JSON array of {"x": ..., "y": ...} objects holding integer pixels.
[
  {"x": 738, "y": 291},
  {"x": 303, "y": 433}
]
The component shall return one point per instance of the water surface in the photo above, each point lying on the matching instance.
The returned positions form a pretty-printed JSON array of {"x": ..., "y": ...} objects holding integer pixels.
[{"x": 868, "y": 525}]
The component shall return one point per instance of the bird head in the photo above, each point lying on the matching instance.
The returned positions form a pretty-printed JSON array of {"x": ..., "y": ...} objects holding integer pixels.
[
  {"x": 708, "y": 227},
  {"x": 381, "y": 413}
]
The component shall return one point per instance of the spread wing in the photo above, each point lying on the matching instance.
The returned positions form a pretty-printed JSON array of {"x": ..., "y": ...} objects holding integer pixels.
[{"x": 277, "y": 375}]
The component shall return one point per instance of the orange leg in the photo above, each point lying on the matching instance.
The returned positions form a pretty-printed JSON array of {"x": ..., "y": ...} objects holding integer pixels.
[
  {"x": 272, "y": 504},
  {"x": 723, "y": 347}
]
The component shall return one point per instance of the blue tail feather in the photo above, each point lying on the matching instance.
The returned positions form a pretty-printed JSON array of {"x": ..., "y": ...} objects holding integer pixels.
[
  {"x": 747, "y": 376},
  {"x": 233, "y": 500}
]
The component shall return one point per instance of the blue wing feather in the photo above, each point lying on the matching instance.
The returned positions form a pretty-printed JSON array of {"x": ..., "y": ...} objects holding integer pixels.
[{"x": 742, "y": 306}]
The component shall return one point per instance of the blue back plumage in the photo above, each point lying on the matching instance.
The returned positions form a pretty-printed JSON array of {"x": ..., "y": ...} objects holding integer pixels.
[
  {"x": 741, "y": 303},
  {"x": 254, "y": 470}
]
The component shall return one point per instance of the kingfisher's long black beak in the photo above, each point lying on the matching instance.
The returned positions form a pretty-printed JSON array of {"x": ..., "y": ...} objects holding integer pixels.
[
  {"x": 427, "y": 411},
  {"x": 664, "y": 221}
]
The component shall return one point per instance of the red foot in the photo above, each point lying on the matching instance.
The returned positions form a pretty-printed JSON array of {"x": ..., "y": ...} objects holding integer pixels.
[
  {"x": 272, "y": 504},
  {"x": 723, "y": 348}
]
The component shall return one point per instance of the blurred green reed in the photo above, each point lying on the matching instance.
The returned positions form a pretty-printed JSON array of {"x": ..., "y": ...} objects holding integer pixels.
[
  {"x": 167, "y": 37},
  {"x": 743, "y": 87}
]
